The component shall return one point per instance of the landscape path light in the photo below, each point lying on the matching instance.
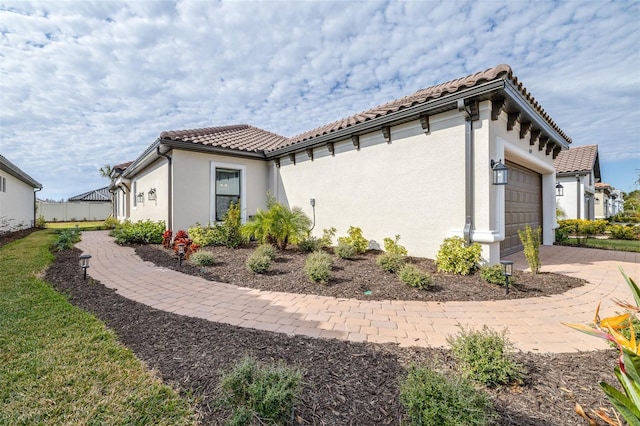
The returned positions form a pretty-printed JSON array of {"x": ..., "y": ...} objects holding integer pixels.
[
  {"x": 507, "y": 271},
  {"x": 181, "y": 252},
  {"x": 84, "y": 263}
]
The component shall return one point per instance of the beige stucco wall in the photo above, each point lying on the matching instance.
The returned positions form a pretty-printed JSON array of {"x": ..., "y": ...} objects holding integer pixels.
[
  {"x": 16, "y": 204},
  {"x": 154, "y": 176},
  {"x": 193, "y": 186},
  {"x": 413, "y": 186}
]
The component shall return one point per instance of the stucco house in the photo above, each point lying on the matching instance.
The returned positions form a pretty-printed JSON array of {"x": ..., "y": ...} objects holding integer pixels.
[
  {"x": 17, "y": 197},
  {"x": 603, "y": 200},
  {"x": 577, "y": 172},
  {"x": 420, "y": 166}
]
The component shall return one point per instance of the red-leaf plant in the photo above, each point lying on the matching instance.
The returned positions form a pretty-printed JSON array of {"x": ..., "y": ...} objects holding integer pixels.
[
  {"x": 189, "y": 246},
  {"x": 166, "y": 238}
]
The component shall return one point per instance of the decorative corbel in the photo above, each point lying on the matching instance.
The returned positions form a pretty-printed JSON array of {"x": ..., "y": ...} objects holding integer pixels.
[
  {"x": 511, "y": 119},
  {"x": 292, "y": 158},
  {"x": 356, "y": 141},
  {"x": 524, "y": 128},
  {"x": 496, "y": 108},
  {"x": 386, "y": 132},
  {"x": 424, "y": 121},
  {"x": 331, "y": 148},
  {"x": 310, "y": 153},
  {"x": 543, "y": 142},
  {"x": 556, "y": 151},
  {"x": 535, "y": 134},
  {"x": 550, "y": 147},
  {"x": 277, "y": 161}
]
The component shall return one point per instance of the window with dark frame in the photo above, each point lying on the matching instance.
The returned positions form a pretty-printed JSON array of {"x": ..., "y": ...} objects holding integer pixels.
[{"x": 227, "y": 190}]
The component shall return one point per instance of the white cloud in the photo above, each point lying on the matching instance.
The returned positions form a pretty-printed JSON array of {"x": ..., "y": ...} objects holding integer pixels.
[{"x": 89, "y": 83}]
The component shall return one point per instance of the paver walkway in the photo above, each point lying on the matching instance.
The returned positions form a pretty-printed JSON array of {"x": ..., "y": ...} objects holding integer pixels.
[{"x": 534, "y": 324}]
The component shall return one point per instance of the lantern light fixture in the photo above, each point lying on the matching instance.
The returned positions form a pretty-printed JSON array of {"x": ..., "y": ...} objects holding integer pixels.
[
  {"x": 140, "y": 197},
  {"x": 507, "y": 271},
  {"x": 500, "y": 173},
  {"x": 84, "y": 263},
  {"x": 151, "y": 196},
  {"x": 559, "y": 190}
]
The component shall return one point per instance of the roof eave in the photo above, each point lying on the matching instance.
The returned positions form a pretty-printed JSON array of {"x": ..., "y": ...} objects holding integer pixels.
[{"x": 191, "y": 146}]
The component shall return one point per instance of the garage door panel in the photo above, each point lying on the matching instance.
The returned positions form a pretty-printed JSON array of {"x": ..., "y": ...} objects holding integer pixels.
[{"x": 523, "y": 205}]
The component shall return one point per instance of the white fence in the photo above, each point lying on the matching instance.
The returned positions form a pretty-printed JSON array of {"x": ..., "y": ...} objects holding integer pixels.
[{"x": 65, "y": 212}]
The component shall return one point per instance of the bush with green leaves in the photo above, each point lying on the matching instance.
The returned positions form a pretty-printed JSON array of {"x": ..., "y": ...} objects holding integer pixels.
[
  {"x": 232, "y": 227},
  {"x": 41, "y": 222},
  {"x": 492, "y": 274},
  {"x": 530, "y": 239},
  {"x": 204, "y": 236},
  {"x": 258, "y": 263},
  {"x": 486, "y": 356},
  {"x": 390, "y": 262},
  {"x": 581, "y": 229},
  {"x": 621, "y": 232},
  {"x": 110, "y": 223},
  {"x": 202, "y": 258},
  {"x": 327, "y": 237},
  {"x": 259, "y": 394},
  {"x": 432, "y": 398},
  {"x": 141, "y": 232},
  {"x": 267, "y": 250},
  {"x": 392, "y": 246},
  {"x": 344, "y": 251},
  {"x": 415, "y": 277},
  {"x": 279, "y": 225},
  {"x": 456, "y": 257},
  {"x": 318, "y": 267},
  {"x": 310, "y": 244},
  {"x": 65, "y": 239},
  {"x": 355, "y": 239}
]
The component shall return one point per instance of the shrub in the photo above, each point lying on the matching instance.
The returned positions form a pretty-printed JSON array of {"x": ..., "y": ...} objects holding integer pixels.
[
  {"x": 318, "y": 267},
  {"x": 207, "y": 236},
  {"x": 485, "y": 356},
  {"x": 390, "y": 262},
  {"x": 65, "y": 239},
  {"x": 582, "y": 229},
  {"x": 621, "y": 232},
  {"x": 41, "y": 222},
  {"x": 267, "y": 250},
  {"x": 355, "y": 240},
  {"x": 431, "y": 398},
  {"x": 327, "y": 237},
  {"x": 141, "y": 232},
  {"x": 310, "y": 244},
  {"x": 203, "y": 258},
  {"x": 279, "y": 225},
  {"x": 344, "y": 251},
  {"x": 531, "y": 241},
  {"x": 110, "y": 223},
  {"x": 456, "y": 257},
  {"x": 258, "y": 263},
  {"x": 231, "y": 227},
  {"x": 166, "y": 238},
  {"x": 392, "y": 246},
  {"x": 492, "y": 274},
  {"x": 414, "y": 277},
  {"x": 260, "y": 392}
]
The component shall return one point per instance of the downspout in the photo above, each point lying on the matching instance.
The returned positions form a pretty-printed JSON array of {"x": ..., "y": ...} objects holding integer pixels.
[
  {"x": 169, "y": 189},
  {"x": 578, "y": 198},
  {"x": 468, "y": 167},
  {"x": 35, "y": 206}
]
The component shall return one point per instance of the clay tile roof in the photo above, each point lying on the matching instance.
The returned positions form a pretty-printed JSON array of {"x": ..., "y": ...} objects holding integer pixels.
[
  {"x": 422, "y": 96},
  {"x": 122, "y": 166},
  {"x": 240, "y": 137},
  {"x": 601, "y": 185},
  {"x": 577, "y": 159}
]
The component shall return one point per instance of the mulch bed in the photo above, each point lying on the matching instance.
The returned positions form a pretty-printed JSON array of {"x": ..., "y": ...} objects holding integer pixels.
[
  {"x": 9, "y": 237},
  {"x": 351, "y": 278},
  {"x": 344, "y": 383}
]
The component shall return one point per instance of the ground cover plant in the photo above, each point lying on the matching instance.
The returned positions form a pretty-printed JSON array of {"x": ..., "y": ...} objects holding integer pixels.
[
  {"x": 60, "y": 365},
  {"x": 342, "y": 382},
  {"x": 605, "y": 244}
]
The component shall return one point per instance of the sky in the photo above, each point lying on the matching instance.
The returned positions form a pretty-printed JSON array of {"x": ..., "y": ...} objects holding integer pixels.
[{"x": 84, "y": 84}]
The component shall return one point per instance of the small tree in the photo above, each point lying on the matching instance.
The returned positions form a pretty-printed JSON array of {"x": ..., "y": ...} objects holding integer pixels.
[
  {"x": 105, "y": 171},
  {"x": 531, "y": 241}
]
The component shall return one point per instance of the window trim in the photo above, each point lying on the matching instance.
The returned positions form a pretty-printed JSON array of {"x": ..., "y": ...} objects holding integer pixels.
[
  {"x": 134, "y": 192},
  {"x": 212, "y": 185}
]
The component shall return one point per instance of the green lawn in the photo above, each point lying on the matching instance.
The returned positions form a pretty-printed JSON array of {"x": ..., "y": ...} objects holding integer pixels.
[
  {"x": 60, "y": 365},
  {"x": 88, "y": 226},
  {"x": 621, "y": 245}
]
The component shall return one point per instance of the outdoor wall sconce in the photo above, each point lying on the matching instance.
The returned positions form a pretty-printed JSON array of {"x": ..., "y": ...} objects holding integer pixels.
[
  {"x": 84, "y": 263},
  {"x": 500, "y": 173},
  {"x": 140, "y": 197},
  {"x": 181, "y": 252},
  {"x": 151, "y": 196},
  {"x": 559, "y": 190},
  {"x": 507, "y": 271}
]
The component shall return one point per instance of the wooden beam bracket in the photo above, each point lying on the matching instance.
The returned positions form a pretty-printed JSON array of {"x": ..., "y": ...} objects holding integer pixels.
[
  {"x": 386, "y": 132},
  {"x": 524, "y": 128},
  {"x": 356, "y": 141},
  {"x": 424, "y": 121},
  {"x": 512, "y": 117},
  {"x": 331, "y": 148},
  {"x": 496, "y": 108},
  {"x": 292, "y": 158}
]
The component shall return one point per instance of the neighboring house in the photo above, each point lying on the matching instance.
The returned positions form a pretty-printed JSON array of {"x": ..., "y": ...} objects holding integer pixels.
[
  {"x": 17, "y": 197},
  {"x": 101, "y": 195},
  {"x": 617, "y": 202},
  {"x": 120, "y": 191},
  {"x": 577, "y": 172},
  {"x": 603, "y": 201},
  {"x": 419, "y": 166}
]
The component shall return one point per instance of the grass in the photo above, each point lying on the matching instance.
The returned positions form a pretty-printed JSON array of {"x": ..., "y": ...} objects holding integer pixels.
[
  {"x": 60, "y": 365},
  {"x": 83, "y": 226},
  {"x": 608, "y": 244}
]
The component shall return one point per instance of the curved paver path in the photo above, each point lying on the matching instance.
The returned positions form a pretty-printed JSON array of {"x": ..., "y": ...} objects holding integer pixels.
[{"x": 534, "y": 324}]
